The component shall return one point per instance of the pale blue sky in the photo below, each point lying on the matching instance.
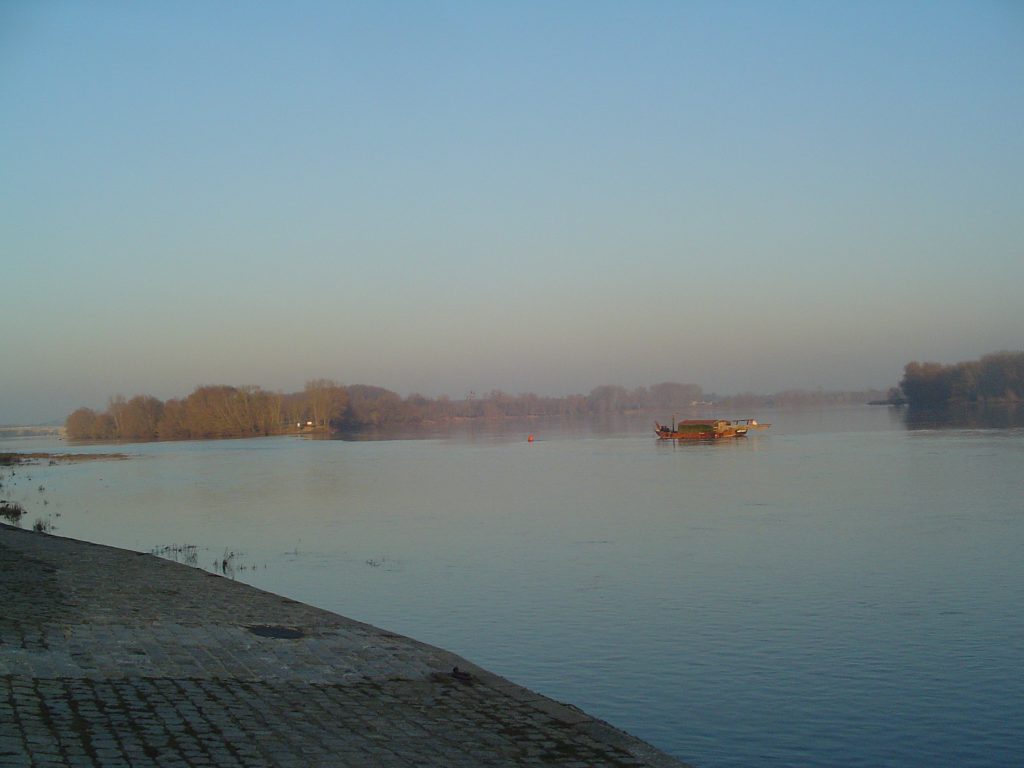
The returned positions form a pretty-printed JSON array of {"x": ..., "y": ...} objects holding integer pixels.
[{"x": 445, "y": 197}]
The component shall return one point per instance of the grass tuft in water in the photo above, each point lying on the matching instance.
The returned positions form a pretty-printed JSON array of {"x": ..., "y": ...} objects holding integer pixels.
[{"x": 12, "y": 512}]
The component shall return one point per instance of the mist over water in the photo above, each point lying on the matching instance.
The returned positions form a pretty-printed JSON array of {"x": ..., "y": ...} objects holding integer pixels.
[{"x": 839, "y": 589}]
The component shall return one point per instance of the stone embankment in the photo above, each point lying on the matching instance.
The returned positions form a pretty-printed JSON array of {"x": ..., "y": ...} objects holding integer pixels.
[{"x": 116, "y": 658}]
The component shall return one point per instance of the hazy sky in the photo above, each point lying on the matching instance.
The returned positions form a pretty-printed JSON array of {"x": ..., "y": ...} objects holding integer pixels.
[{"x": 453, "y": 196}]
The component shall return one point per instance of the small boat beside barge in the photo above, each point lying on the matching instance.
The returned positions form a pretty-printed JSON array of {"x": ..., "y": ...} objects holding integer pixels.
[{"x": 706, "y": 429}]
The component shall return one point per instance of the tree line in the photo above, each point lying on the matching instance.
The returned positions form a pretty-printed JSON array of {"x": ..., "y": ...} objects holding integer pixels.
[
  {"x": 798, "y": 398},
  {"x": 996, "y": 377},
  {"x": 325, "y": 406}
]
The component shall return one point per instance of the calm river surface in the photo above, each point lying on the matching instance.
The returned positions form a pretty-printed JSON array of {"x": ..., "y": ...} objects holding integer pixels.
[{"x": 837, "y": 590}]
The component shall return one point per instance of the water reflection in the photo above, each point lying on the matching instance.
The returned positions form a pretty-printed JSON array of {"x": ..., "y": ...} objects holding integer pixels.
[
  {"x": 505, "y": 430},
  {"x": 965, "y": 416}
]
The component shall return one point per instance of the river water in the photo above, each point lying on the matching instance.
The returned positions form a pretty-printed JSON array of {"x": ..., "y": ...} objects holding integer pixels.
[{"x": 837, "y": 590}]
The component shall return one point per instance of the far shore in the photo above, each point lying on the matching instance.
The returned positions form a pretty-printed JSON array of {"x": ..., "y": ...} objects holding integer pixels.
[
  {"x": 8, "y": 458},
  {"x": 31, "y": 431}
]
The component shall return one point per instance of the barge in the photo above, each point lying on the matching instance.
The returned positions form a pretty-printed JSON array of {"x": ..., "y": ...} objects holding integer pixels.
[{"x": 706, "y": 429}]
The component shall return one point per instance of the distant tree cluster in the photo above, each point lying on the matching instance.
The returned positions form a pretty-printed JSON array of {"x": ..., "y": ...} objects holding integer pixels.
[
  {"x": 799, "y": 398},
  {"x": 997, "y": 377},
  {"x": 210, "y": 412}
]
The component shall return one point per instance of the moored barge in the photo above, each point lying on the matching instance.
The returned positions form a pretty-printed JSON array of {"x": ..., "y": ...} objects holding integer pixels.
[{"x": 706, "y": 429}]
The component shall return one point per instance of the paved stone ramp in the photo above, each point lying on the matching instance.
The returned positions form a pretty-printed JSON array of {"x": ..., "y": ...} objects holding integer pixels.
[{"x": 116, "y": 658}]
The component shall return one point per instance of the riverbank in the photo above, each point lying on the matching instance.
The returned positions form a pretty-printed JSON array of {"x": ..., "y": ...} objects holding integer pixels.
[
  {"x": 110, "y": 657},
  {"x": 9, "y": 431}
]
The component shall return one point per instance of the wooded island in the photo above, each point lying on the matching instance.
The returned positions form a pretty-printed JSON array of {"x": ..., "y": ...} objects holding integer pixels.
[{"x": 325, "y": 406}]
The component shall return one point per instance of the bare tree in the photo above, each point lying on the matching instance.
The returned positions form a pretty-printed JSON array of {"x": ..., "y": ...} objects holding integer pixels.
[{"x": 326, "y": 400}]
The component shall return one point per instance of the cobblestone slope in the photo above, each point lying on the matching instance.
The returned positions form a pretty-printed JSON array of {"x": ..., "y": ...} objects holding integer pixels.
[{"x": 114, "y": 658}]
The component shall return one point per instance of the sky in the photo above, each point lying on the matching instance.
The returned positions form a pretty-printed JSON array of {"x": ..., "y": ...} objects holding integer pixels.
[{"x": 445, "y": 197}]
